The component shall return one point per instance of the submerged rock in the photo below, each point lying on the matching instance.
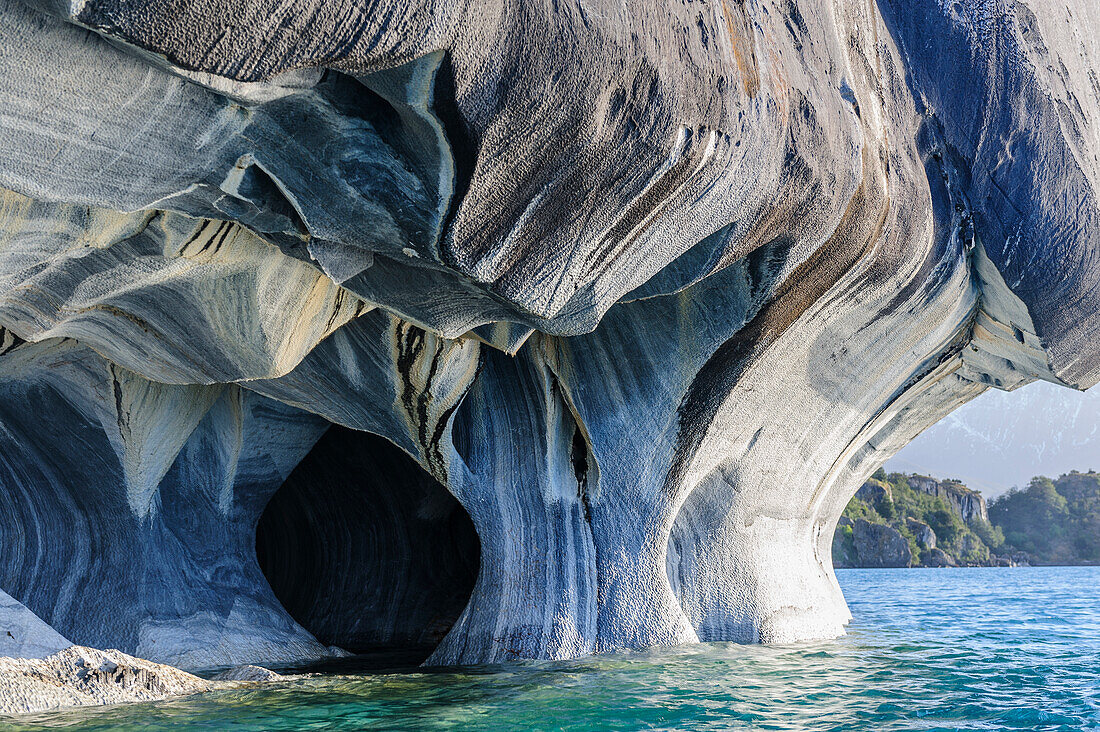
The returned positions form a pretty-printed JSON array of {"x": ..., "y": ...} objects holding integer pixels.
[
  {"x": 247, "y": 672},
  {"x": 630, "y": 304}
]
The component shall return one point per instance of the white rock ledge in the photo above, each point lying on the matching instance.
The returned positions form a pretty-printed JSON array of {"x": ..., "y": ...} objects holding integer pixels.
[{"x": 78, "y": 676}]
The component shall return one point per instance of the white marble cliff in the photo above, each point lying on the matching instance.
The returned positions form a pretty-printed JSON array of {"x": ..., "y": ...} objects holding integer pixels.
[{"x": 507, "y": 329}]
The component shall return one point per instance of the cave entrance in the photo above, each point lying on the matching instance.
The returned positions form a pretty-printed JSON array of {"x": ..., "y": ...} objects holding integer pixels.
[{"x": 366, "y": 550}]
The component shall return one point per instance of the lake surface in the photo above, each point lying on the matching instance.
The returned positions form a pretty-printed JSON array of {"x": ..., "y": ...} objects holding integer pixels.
[{"x": 970, "y": 649}]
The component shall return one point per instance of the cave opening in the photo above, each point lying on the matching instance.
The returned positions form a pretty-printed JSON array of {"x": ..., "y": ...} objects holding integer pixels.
[{"x": 366, "y": 550}]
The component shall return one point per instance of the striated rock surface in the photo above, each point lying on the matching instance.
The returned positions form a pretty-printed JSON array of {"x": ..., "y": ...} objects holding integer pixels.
[
  {"x": 80, "y": 676},
  {"x": 614, "y": 309},
  {"x": 968, "y": 504},
  {"x": 247, "y": 673},
  {"x": 129, "y": 508}
]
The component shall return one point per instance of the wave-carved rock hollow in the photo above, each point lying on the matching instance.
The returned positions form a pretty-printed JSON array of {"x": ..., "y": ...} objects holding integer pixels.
[{"x": 507, "y": 330}]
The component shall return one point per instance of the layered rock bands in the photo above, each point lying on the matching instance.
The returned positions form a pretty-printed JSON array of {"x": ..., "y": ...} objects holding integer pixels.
[{"x": 507, "y": 329}]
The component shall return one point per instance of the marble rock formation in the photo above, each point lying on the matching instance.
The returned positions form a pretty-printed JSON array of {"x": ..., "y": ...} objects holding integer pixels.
[
  {"x": 79, "y": 676},
  {"x": 510, "y": 329}
]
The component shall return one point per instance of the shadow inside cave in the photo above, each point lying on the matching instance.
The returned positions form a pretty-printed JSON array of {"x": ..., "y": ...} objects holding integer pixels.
[{"x": 367, "y": 551}]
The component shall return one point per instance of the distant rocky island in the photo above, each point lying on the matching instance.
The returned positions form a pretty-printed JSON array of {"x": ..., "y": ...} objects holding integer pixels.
[{"x": 899, "y": 520}]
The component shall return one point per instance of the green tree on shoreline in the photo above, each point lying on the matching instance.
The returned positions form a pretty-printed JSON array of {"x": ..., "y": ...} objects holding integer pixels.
[
  {"x": 1055, "y": 522},
  {"x": 1049, "y": 521}
]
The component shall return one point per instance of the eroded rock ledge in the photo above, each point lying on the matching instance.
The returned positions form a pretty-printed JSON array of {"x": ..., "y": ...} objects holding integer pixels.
[
  {"x": 80, "y": 676},
  {"x": 612, "y": 311}
]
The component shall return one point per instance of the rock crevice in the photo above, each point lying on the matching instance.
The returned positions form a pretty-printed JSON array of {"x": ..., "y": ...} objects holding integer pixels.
[{"x": 519, "y": 331}]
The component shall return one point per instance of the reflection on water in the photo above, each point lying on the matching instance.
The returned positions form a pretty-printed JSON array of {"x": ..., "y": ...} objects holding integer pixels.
[{"x": 986, "y": 649}]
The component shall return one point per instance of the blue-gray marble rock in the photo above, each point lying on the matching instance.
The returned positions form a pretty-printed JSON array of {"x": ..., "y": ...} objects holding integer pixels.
[
  {"x": 129, "y": 508},
  {"x": 23, "y": 634},
  {"x": 615, "y": 307}
]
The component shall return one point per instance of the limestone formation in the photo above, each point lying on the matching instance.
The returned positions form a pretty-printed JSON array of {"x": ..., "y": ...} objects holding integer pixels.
[
  {"x": 23, "y": 634},
  {"x": 129, "y": 508},
  {"x": 513, "y": 330}
]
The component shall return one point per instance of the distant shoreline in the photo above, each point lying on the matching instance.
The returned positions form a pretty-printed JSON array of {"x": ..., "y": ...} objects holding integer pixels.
[
  {"x": 904, "y": 521},
  {"x": 972, "y": 566}
]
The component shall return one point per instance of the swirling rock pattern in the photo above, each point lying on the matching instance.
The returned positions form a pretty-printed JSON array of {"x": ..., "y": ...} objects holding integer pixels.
[
  {"x": 648, "y": 289},
  {"x": 129, "y": 508}
]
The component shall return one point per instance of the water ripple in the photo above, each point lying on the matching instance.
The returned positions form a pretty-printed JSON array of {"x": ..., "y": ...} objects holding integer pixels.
[{"x": 973, "y": 649}]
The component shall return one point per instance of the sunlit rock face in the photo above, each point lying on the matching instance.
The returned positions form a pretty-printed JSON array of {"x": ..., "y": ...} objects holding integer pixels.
[{"x": 642, "y": 292}]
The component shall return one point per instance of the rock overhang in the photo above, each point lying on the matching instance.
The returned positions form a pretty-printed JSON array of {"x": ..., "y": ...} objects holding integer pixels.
[{"x": 649, "y": 290}]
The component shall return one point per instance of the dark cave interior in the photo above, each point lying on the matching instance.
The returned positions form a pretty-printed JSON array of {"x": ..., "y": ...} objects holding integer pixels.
[{"x": 365, "y": 549}]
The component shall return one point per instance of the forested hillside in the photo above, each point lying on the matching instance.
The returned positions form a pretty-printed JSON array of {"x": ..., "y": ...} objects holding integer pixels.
[
  {"x": 898, "y": 520},
  {"x": 1053, "y": 521}
]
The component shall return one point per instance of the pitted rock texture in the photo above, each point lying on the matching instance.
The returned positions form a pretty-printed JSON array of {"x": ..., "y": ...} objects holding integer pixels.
[
  {"x": 80, "y": 676},
  {"x": 648, "y": 289}
]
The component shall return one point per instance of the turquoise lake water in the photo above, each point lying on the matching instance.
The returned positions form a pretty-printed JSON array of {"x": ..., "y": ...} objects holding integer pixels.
[{"x": 969, "y": 649}]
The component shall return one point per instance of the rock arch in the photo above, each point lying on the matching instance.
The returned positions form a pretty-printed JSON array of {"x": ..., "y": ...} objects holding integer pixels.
[{"x": 649, "y": 316}]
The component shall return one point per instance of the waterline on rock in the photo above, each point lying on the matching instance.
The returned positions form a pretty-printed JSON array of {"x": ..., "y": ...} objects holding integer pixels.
[{"x": 935, "y": 649}]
